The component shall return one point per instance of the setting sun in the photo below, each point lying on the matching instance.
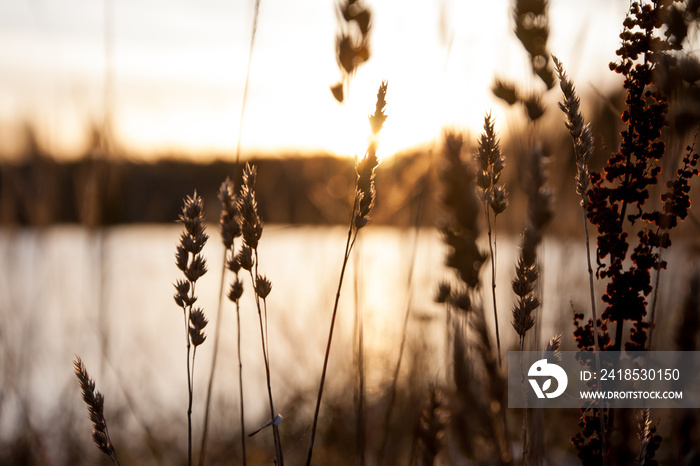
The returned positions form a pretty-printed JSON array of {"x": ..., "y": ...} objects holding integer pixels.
[{"x": 173, "y": 82}]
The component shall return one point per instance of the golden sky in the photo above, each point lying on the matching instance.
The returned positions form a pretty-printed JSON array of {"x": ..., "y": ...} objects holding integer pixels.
[{"x": 176, "y": 71}]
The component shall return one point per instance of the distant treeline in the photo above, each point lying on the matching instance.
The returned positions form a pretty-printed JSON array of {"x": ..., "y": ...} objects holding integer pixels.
[
  {"x": 293, "y": 189},
  {"x": 302, "y": 189}
]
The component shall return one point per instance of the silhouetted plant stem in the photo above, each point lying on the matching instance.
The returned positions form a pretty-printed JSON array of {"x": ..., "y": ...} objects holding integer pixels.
[
  {"x": 251, "y": 228},
  {"x": 596, "y": 348},
  {"x": 490, "y": 162},
  {"x": 653, "y": 301},
  {"x": 190, "y": 261},
  {"x": 492, "y": 246},
  {"x": 258, "y": 282},
  {"x": 189, "y": 396},
  {"x": 522, "y": 383},
  {"x": 359, "y": 354},
  {"x": 240, "y": 381},
  {"x": 207, "y": 403},
  {"x": 348, "y": 247},
  {"x": 404, "y": 332},
  {"x": 230, "y": 223},
  {"x": 247, "y": 79},
  {"x": 363, "y": 203},
  {"x": 583, "y": 147}
]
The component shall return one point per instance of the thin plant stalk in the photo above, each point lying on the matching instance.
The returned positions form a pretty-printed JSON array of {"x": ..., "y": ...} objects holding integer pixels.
[
  {"x": 653, "y": 302},
  {"x": 251, "y": 227},
  {"x": 522, "y": 384},
  {"x": 492, "y": 251},
  {"x": 189, "y": 260},
  {"x": 346, "y": 255},
  {"x": 490, "y": 162},
  {"x": 583, "y": 147},
  {"x": 240, "y": 380},
  {"x": 262, "y": 318},
  {"x": 207, "y": 403},
  {"x": 189, "y": 394},
  {"x": 247, "y": 79},
  {"x": 359, "y": 352},
  {"x": 230, "y": 229},
  {"x": 404, "y": 332},
  {"x": 363, "y": 204},
  {"x": 596, "y": 349}
]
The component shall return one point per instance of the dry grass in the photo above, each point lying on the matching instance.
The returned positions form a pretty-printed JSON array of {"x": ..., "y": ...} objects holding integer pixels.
[
  {"x": 463, "y": 417},
  {"x": 95, "y": 403}
]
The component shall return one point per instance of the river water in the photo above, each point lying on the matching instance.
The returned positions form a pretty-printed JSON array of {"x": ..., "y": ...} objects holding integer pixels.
[{"x": 107, "y": 297}]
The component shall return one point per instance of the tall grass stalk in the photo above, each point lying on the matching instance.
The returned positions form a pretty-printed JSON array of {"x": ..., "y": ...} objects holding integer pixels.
[
  {"x": 526, "y": 270},
  {"x": 251, "y": 229},
  {"x": 402, "y": 345},
  {"x": 189, "y": 260},
  {"x": 362, "y": 206},
  {"x": 230, "y": 230},
  {"x": 210, "y": 384},
  {"x": 95, "y": 403},
  {"x": 490, "y": 163},
  {"x": 247, "y": 80},
  {"x": 352, "y": 236},
  {"x": 359, "y": 363},
  {"x": 583, "y": 149}
]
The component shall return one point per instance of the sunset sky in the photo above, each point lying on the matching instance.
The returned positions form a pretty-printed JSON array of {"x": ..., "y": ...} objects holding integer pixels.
[{"x": 178, "y": 70}]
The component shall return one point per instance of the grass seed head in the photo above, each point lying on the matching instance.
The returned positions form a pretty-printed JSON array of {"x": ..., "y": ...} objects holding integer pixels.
[
  {"x": 197, "y": 323},
  {"x": 236, "y": 290},
  {"x": 95, "y": 403}
]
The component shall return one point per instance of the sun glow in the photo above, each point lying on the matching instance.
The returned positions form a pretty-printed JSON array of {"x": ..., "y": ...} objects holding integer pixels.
[{"x": 176, "y": 86}]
